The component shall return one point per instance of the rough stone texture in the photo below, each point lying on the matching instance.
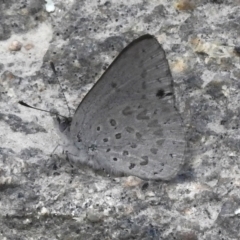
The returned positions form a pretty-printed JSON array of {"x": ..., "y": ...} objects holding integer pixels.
[{"x": 43, "y": 197}]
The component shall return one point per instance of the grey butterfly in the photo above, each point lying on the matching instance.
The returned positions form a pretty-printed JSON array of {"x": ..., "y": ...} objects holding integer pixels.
[{"x": 128, "y": 123}]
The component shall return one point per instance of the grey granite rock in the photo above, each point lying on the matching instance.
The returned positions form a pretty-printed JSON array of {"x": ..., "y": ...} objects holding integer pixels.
[{"x": 43, "y": 197}]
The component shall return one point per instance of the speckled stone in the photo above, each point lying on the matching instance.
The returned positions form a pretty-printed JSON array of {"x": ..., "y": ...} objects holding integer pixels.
[{"x": 43, "y": 196}]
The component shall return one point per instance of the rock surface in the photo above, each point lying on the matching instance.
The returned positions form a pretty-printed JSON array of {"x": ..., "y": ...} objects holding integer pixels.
[{"x": 44, "y": 197}]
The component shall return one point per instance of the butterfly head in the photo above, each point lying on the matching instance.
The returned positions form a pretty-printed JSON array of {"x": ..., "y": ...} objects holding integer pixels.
[
  {"x": 63, "y": 123},
  {"x": 72, "y": 148}
]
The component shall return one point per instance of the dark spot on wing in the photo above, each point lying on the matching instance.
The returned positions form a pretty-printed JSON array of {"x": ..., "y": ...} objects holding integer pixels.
[
  {"x": 125, "y": 153},
  {"x": 129, "y": 129},
  {"x": 127, "y": 111},
  {"x": 160, "y": 93},
  {"x": 160, "y": 142},
  {"x": 138, "y": 135},
  {"x": 118, "y": 135},
  {"x": 133, "y": 145},
  {"x": 132, "y": 165},
  {"x": 145, "y": 162},
  {"x": 113, "y": 122},
  {"x": 154, "y": 150}
]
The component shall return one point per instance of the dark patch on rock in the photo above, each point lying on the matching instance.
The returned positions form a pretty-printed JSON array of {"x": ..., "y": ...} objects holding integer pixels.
[{"x": 18, "y": 125}]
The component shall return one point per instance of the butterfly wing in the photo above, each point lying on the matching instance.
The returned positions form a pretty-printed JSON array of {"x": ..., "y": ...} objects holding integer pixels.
[{"x": 128, "y": 123}]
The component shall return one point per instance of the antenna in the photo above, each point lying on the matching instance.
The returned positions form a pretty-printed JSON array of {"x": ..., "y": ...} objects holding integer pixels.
[
  {"x": 55, "y": 72},
  {"x": 26, "y": 105}
]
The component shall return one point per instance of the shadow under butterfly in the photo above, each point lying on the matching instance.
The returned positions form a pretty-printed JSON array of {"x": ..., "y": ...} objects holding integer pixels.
[{"x": 128, "y": 123}]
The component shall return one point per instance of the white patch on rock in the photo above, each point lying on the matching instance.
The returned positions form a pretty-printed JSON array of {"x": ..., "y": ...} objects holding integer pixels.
[{"x": 50, "y": 7}]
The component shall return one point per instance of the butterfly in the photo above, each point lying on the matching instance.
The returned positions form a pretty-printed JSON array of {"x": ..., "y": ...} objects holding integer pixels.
[{"x": 128, "y": 124}]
